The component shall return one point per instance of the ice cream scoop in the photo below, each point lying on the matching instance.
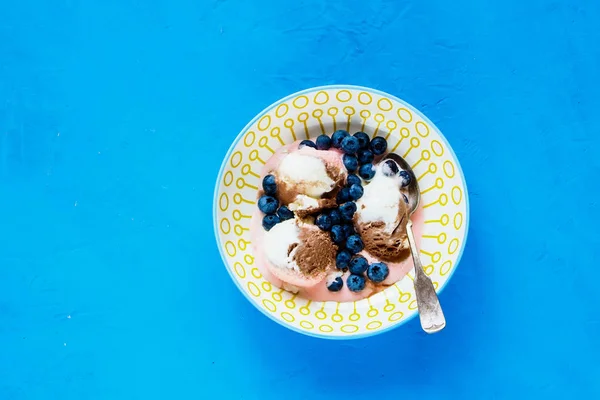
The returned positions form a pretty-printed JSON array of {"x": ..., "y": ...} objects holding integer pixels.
[
  {"x": 298, "y": 253},
  {"x": 382, "y": 213},
  {"x": 430, "y": 311},
  {"x": 308, "y": 179}
]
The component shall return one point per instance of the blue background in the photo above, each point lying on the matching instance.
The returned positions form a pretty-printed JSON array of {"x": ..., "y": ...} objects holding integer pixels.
[{"x": 115, "y": 116}]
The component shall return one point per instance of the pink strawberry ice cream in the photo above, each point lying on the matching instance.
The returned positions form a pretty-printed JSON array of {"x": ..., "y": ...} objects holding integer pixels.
[{"x": 299, "y": 248}]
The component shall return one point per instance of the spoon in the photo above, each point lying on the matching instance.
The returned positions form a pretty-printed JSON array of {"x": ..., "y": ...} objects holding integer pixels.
[{"x": 430, "y": 311}]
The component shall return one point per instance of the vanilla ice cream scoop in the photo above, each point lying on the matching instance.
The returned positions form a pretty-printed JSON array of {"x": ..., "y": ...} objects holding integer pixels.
[
  {"x": 382, "y": 200},
  {"x": 305, "y": 172},
  {"x": 281, "y": 244},
  {"x": 307, "y": 179}
]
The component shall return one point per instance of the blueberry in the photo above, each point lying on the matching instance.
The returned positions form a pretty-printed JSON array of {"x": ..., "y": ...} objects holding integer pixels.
[
  {"x": 336, "y": 285},
  {"x": 268, "y": 204},
  {"x": 285, "y": 213},
  {"x": 363, "y": 139},
  {"x": 306, "y": 143},
  {"x": 350, "y": 162},
  {"x": 337, "y": 137},
  {"x": 323, "y": 221},
  {"x": 358, "y": 265},
  {"x": 348, "y": 230},
  {"x": 323, "y": 142},
  {"x": 390, "y": 168},
  {"x": 337, "y": 234},
  {"x": 405, "y": 198},
  {"x": 353, "y": 179},
  {"x": 342, "y": 259},
  {"x": 355, "y": 283},
  {"x": 350, "y": 145},
  {"x": 347, "y": 210},
  {"x": 367, "y": 172},
  {"x": 377, "y": 272},
  {"x": 354, "y": 244},
  {"x": 378, "y": 145},
  {"x": 270, "y": 221},
  {"x": 356, "y": 191},
  {"x": 343, "y": 195},
  {"x": 406, "y": 178},
  {"x": 269, "y": 185},
  {"x": 365, "y": 156},
  {"x": 335, "y": 217}
]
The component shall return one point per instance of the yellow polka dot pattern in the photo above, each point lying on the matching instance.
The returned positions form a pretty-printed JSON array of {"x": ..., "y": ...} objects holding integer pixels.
[{"x": 324, "y": 110}]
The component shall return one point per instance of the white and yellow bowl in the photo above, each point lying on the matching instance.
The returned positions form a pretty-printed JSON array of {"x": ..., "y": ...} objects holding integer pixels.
[{"x": 308, "y": 114}]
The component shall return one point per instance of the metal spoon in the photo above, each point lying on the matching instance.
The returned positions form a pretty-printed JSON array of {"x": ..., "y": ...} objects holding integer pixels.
[{"x": 430, "y": 311}]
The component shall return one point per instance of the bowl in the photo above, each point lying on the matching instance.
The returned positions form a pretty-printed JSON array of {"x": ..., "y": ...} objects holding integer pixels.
[{"x": 307, "y": 114}]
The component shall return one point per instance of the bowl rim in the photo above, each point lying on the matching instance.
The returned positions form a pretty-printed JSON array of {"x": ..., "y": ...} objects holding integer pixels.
[{"x": 240, "y": 136}]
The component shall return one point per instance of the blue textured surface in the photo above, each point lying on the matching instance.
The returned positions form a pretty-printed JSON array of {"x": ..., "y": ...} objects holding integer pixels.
[{"x": 114, "y": 117}]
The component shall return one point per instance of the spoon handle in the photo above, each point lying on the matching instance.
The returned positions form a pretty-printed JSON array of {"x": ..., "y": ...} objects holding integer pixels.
[{"x": 430, "y": 311}]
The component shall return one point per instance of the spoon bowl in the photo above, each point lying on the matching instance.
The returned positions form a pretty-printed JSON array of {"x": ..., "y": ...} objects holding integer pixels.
[{"x": 412, "y": 190}]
